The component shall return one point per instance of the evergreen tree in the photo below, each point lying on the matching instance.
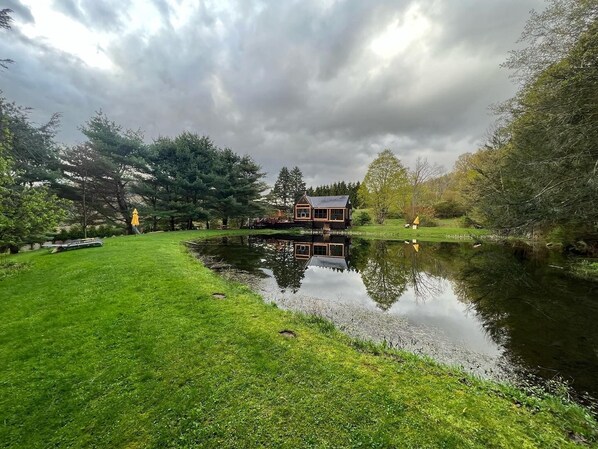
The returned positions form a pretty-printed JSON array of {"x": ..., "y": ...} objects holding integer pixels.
[
  {"x": 281, "y": 195},
  {"x": 297, "y": 185},
  {"x": 118, "y": 155},
  {"x": 32, "y": 150},
  {"x": 78, "y": 165}
]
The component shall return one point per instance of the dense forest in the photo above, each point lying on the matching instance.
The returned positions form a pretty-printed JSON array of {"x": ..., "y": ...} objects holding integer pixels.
[{"x": 174, "y": 182}]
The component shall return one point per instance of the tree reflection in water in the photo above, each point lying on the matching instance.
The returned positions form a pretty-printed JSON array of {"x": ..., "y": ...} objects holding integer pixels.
[
  {"x": 542, "y": 321},
  {"x": 388, "y": 269}
]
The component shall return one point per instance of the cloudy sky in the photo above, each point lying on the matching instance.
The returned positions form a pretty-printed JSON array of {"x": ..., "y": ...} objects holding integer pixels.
[{"x": 323, "y": 84}]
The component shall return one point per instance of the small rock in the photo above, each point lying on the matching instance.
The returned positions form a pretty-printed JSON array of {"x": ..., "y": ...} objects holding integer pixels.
[
  {"x": 288, "y": 334},
  {"x": 219, "y": 295}
]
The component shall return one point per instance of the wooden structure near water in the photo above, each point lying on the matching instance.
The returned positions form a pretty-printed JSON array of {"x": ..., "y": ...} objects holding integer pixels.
[{"x": 323, "y": 212}]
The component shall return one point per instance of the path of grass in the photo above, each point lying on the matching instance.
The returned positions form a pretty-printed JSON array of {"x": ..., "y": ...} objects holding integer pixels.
[{"x": 125, "y": 346}]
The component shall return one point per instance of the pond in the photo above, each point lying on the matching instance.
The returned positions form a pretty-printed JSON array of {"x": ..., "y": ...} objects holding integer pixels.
[{"x": 502, "y": 312}]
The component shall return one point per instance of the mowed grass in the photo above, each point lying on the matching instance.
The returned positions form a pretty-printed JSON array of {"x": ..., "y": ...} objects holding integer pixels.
[
  {"x": 447, "y": 231},
  {"x": 125, "y": 347}
]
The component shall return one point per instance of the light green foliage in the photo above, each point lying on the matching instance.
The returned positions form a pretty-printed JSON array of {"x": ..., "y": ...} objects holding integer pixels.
[
  {"x": 28, "y": 214},
  {"x": 361, "y": 218},
  {"x": 385, "y": 186},
  {"x": 94, "y": 355}
]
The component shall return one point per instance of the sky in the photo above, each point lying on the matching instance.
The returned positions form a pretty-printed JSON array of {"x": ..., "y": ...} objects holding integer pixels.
[{"x": 323, "y": 85}]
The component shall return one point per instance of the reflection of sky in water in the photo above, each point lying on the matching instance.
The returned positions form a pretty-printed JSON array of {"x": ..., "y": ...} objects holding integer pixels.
[
  {"x": 450, "y": 318},
  {"x": 445, "y": 312},
  {"x": 521, "y": 322}
]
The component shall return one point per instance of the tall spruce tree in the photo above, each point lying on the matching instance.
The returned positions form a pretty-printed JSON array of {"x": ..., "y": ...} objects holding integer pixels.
[
  {"x": 119, "y": 157},
  {"x": 297, "y": 184},
  {"x": 281, "y": 195}
]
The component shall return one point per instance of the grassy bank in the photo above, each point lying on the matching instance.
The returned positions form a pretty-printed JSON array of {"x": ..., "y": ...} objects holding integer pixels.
[
  {"x": 126, "y": 346},
  {"x": 585, "y": 269},
  {"x": 394, "y": 229}
]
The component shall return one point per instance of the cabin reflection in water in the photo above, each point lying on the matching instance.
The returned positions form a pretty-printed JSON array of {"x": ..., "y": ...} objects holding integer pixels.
[{"x": 324, "y": 254}]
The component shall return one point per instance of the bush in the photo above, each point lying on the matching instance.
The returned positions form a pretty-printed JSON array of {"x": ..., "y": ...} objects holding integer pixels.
[
  {"x": 362, "y": 219},
  {"x": 449, "y": 209},
  {"x": 427, "y": 221},
  {"x": 76, "y": 232}
]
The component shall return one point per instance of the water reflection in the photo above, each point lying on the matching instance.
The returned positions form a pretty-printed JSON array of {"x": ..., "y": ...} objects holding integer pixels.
[{"x": 494, "y": 310}]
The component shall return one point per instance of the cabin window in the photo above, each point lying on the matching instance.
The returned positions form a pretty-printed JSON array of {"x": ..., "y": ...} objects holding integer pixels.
[
  {"x": 320, "y": 250},
  {"x": 321, "y": 213},
  {"x": 302, "y": 250},
  {"x": 337, "y": 250},
  {"x": 337, "y": 214},
  {"x": 303, "y": 212}
]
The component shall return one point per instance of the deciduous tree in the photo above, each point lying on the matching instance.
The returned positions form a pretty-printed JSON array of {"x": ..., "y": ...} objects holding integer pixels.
[{"x": 385, "y": 185}]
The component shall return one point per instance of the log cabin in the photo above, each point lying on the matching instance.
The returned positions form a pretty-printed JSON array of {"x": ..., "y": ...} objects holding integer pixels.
[{"x": 324, "y": 212}]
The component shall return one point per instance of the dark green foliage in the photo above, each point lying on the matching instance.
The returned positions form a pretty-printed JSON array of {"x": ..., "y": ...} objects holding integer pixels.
[
  {"x": 5, "y": 21},
  {"x": 338, "y": 188},
  {"x": 297, "y": 185},
  {"x": 238, "y": 187},
  {"x": 449, "y": 209},
  {"x": 117, "y": 156},
  {"x": 188, "y": 179},
  {"x": 31, "y": 148},
  {"x": 28, "y": 211},
  {"x": 543, "y": 174},
  {"x": 180, "y": 181},
  {"x": 77, "y": 232},
  {"x": 289, "y": 186},
  {"x": 78, "y": 170},
  {"x": 361, "y": 218}
]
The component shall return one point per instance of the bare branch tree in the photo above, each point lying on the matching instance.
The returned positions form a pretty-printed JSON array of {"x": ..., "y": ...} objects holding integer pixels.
[{"x": 423, "y": 171}]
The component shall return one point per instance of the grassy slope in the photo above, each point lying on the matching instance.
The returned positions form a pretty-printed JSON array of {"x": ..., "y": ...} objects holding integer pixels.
[{"x": 124, "y": 346}]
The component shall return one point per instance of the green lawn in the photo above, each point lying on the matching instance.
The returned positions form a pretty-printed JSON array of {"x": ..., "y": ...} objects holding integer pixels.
[
  {"x": 125, "y": 347},
  {"x": 394, "y": 229}
]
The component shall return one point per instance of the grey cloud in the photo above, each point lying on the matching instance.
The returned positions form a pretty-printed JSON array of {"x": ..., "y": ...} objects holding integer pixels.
[
  {"x": 288, "y": 83},
  {"x": 107, "y": 15},
  {"x": 21, "y": 11}
]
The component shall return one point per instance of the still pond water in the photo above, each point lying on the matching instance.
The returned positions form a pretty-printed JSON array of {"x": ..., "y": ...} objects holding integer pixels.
[{"x": 500, "y": 312}]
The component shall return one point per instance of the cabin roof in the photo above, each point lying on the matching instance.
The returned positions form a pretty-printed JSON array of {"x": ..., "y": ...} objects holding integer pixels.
[
  {"x": 337, "y": 263},
  {"x": 328, "y": 201}
]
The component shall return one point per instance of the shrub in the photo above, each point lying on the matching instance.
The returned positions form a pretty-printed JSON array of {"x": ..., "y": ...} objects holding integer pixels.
[
  {"x": 449, "y": 209},
  {"x": 362, "y": 218},
  {"x": 76, "y": 232}
]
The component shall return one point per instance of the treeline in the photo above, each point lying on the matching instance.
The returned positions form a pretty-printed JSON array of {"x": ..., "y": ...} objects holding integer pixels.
[
  {"x": 175, "y": 183},
  {"x": 537, "y": 173},
  {"x": 338, "y": 188},
  {"x": 290, "y": 186}
]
